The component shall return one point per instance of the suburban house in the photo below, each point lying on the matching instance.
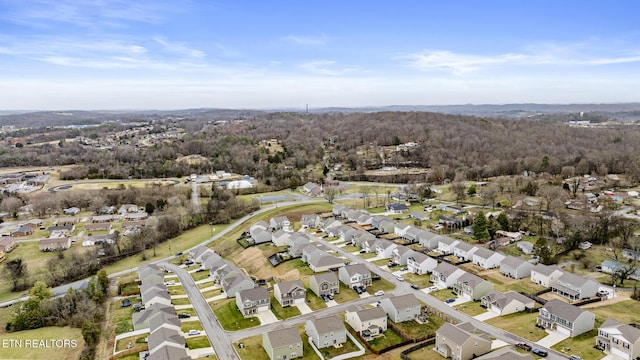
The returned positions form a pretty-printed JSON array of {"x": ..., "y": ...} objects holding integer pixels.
[
  {"x": 401, "y": 254},
  {"x": 396, "y": 208},
  {"x": 151, "y": 273},
  {"x": 66, "y": 221},
  {"x": 329, "y": 223},
  {"x": 525, "y": 246},
  {"x": 512, "y": 235},
  {"x": 565, "y": 318},
  {"x": 98, "y": 227},
  {"x": 575, "y": 287},
  {"x": 386, "y": 225},
  {"x": 22, "y": 231},
  {"x": 428, "y": 239},
  {"x": 253, "y": 301},
  {"x": 319, "y": 260},
  {"x": 355, "y": 275},
  {"x": 297, "y": 245},
  {"x": 545, "y": 275},
  {"x": 631, "y": 254},
  {"x": 368, "y": 322},
  {"x": 369, "y": 245},
  {"x": 259, "y": 235},
  {"x": 141, "y": 319},
  {"x": 7, "y": 243},
  {"x": 232, "y": 279},
  {"x": 326, "y": 332},
  {"x": 102, "y": 219},
  {"x": 283, "y": 344},
  {"x": 401, "y": 308},
  {"x": 128, "y": 208},
  {"x": 487, "y": 259},
  {"x": 472, "y": 286},
  {"x": 338, "y": 209},
  {"x": 324, "y": 283},
  {"x": 506, "y": 303},
  {"x": 53, "y": 244},
  {"x": 260, "y": 224},
  {"x": 461, "y": 342},
  {"x": 280, "y": 222},
  {"x": 312, "y": 189},
  {"x": 411, "y": 235},
  {"x": 71, "y": 211},
  {"x": 289, "y": 293},
  {"x": 421, "y": 264},
  {"x": 359, "y": 236},
  {"x": 619, "y": 339},
  {"x": 607, "y": 266},
  {"x": 364, "y": 219},
  {"x": 310, "y": 221},
  {"x": 165, "y": 338},
  {"x": 515, "y": 267},
  {"x": 464, "y": 251},
  {"x": 154, "y": 293},
  {"x": 447, "y": 244},
  {"x": 278, "y": 238},
  {"x": 445, "y": 275},
  {"x": 400, "y": 229},
  {"x": 384, "y": 248}
]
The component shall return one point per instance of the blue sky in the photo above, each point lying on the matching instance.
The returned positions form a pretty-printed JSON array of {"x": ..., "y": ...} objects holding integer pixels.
[{"x": 155, "y": 54}]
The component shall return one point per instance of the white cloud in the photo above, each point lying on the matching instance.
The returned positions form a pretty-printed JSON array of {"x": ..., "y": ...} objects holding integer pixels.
[
  {"x": 307, "y": 40},
  {"x": 325, "y": 67},
  {"x": 458, "y": 63},
  {"x": 179, "y": 48}
]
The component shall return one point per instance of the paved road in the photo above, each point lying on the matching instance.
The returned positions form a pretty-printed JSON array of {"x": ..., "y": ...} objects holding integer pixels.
[{"x": 222, "y": 346}]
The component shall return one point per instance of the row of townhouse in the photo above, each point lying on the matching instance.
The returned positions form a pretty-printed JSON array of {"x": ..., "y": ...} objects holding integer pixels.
[
  {"x": 319, "y": 260},
  {"x": 563, "y": 283},
  {"x": 223, "y": 272}
]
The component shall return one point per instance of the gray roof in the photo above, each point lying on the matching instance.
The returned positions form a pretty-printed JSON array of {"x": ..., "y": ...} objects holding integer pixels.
[
  {"x": 255, "y": 294},
  {"x": 401, "y": 249},
  {"x": 283, "y": 337},
  {"x": 328, "y": 324},
  {"x": 573, "y": 279},
  {"x": 445, "y": 269},
  {"x": 546, "y": 270},
  {"x": 371, "y": 314},
  {"x": 464, "y": 246},
  {"x": 288, "y": 286},
  {"x": 471, "y": 279},
  {"x": 563, "y": 310},
  {"x": 329, "y": 276},
  {"x": 447, "y": 240},
  {"x": 506, "y": 353},
  {"x": 419, "y": 257},
  {"x": 356, "y": 269},
  {"x": 170, "y": 353},
  {"x": 512, "y": 261},
  {"x": 146, "y": 314},
  {"x": 163, "y": 318},
  {"x": 454, "y": 333},
  {"x": 158, "y": 336},
  {"x": 630, "y": 333},
  {"x": 404, "y": 301},
  {"x": 503, "y": 299},
  {"x": 484, "y": 253}
]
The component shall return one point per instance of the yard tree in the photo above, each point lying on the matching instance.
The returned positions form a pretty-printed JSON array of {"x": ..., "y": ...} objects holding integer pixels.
[
  {"x": 471, "y": 190},
  {"x": 40, "y": 291},
  {"x": 481, "y": 227},
  {"x": 458, "y": 189},
  {"x": 489, "y": 194},
  {"x": 503, "y": 220},
  {"x": 543, "y": 251},
  {"x": 17, "y": 271},
  {"x": 330, "y": 193},
  {"x": 11, "y": 204}
]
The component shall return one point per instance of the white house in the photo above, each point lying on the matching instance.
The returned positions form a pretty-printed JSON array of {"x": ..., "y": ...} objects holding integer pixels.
[
  {"x": 545, "y": 275},
  {"x": 487, "y": 259},
  {"x": 565, "y": 318},
  {"x": 445, "y": 275},
  {"x": 515, "y": 267},
  {"x": 507, "y": 303},
  {"x": 421, "y": 264}
]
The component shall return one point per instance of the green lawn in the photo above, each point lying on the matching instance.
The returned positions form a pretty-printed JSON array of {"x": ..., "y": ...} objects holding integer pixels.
[
  {"x": 424, "y": 353},
  {"x": 346, "y": 294},
  {"x": 503, "y": 284},
  {"x": 314, "y": 301},
  {"x": 387, "y": 339},
  {"x": 443, "y": 294},
  {"x": 368, "y": 255},
  {"x": 346, "y": 348},
  {"x": 230, "y": 317},
  {"x": 135, "y": 340},
  {"x": 381, "y": 284},
  {"x": 416, "y": 330},
  {"x": 200, "y": 275},
  {"x": 624, "y": 311},
  {"x": 283, "y": 313},
  {"x": 521, "y": 324},
  {"x": 380, "y": 262},
  {"x": 581, "y": 345},
  {"x": 251, "y": 348},
  {"x": 350, "y": 248},
  {"x": 472, "y": 308},
  {"x": 184, "y": 301},
  {"x": 176, "y": 290},
  {"x": 211, "y": 293},
  {"x": 198, "y": 342},
  {"x": 421, "y": 280},
  {"x": 191, "y": 325},
  {"x": 35, "y": 352},
  {"x": 121, "y": 317},
  {"x": 205, "y": 284}
]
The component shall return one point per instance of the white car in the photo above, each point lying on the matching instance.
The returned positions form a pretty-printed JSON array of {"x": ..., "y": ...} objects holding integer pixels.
[
  {"x": 432, "y": 288},
  {"x": 399, "y": 278},
  {"x": 171, "y": 282},
  {"x": 379, "y": 293},
  {"x": 194, "y": 332}
]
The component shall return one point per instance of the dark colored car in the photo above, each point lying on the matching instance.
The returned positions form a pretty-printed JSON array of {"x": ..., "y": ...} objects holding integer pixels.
[
  {"x": 415, "y": 287},
  {"x": 126, "y": 302},
  {"x": 524, "y": 346},
  {"x": 183, "y": 316},
  {"x": 450, "y": 300},
  {"x": 540, "y": 353}
]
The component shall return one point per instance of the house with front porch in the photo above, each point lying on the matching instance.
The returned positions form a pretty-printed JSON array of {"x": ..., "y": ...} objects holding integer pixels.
[
  {"x": 575, "y": 287},
  {"x": 487, "y": 259},
  {"x": 401, "y": 254},
  {"x": 401, "y": 308},
  {"x": 355, "y": 275},
  {"x": 324, "y": 283},
  {"x": 565, "y": 318},
  {"x": 445, "y": 275},
  {"x": 252, "y": 301},
  {"x": 461, "y": 342},
  {"x": 506, "y": 303},
  {"x": 384, "y": 248},
  {"x": 289, "y": 293},
  {"x": 421, "y": 264},
  {"x": 472, "y": 286}
]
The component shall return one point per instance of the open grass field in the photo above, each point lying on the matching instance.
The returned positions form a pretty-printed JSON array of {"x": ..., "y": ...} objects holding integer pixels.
[
  {"x": 135, "y": 340},
  {"x": 416, "y": 330},
  {"x": 521, "y": 324},
  {"x": 624, "y": 311},
  {"x": 230, "y": 317},
  {"x": 48, "y": 351}
]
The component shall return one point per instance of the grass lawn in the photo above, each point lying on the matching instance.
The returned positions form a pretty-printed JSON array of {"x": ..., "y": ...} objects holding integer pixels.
[
  {"x": 416, "y": 330},
  {"x": 624, "y": 311},
  {"x": 200, "y": 275},
  {"x": 421, "y": 280},
  {"x": 503, "y": 284},
  {"x": 381, "y": 284},
  {"x": 424, "y": 353},
  {"x": 581, "y": 345},
  {"x": 381, "y": 262},
  {"x": 230, "y": 317},
  {"x": 191, "y": 325},
  {"x": 121, "y": 317},
  {"x": 346, "y": 294},
  {"x": 350, "y": 248},
  {"x": 191, "y": 311},
  {"x": 332, "y": 352},
  {"x": 211, "y": 293},
  {"x": 184, "y": 301},
  {"x": 315, "y": 302},
  {"x": 198, "y": 342},
  {"x": 252, "y": 348},
  {"x": 443, "y": 294},
  {"x": 176, "y": 290},
  {"x": 205, "y": 284},
  {"x": 135, "y": 340},
  {"x": 471, "y": 308},
  {"x": 387, "y": 339},
  {"x": 521, "y": 324},
  {"x": 368, "y": 255},
  {"x": 283, "y": 313},
  {"x": 46, "y": 333}
]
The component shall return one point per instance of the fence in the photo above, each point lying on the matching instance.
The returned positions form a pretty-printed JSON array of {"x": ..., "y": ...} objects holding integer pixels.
[{"x": 405, "y": 354}]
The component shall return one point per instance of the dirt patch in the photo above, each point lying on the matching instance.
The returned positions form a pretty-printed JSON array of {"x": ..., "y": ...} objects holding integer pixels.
[
  {"x": 254, "y": 262},
  {"x": 620, "y": 296}
]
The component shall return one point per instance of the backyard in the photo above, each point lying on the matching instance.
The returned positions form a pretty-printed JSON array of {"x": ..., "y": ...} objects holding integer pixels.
[
  {"x": 521, "y": 324},
  {"x": 230, "y": 317}
]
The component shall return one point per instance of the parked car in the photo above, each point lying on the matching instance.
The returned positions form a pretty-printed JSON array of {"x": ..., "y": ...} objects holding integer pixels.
[
  {"x": 399, "y": 278},
  {"x": 188, "y": 262},
  {"x": 178, "y": 254},
  {"x": 450, "y": 300},
  {"x": 171, "y": 282},
  {"x": 415, "y": 287},
  {"x": 125, "y": 303},
  {"x": 363, "y": 251},
  {"x": 541, "y": 353},
  {"x": 524, "y": 346},
  {"x": 183, "y": 316},
  {"x": 137, "y": 307},
  {"x": 432, "y": 288},
  {"x": 379, "y": 293},
  {"x": 575, "y": 357},
  {"x": 193, "y": 332}
]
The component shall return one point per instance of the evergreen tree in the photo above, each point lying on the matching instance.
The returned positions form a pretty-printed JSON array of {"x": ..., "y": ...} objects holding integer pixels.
[
  {"x": 480, "y": 227},
  {"x": 503, "y": 221}
]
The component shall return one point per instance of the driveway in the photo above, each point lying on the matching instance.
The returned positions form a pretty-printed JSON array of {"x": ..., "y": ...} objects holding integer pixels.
[
  {"x": 266, "y": 317},
  {"x": 304, "y": 308},
  {"x": 459, "y": 300},
  {"x": 553, "y": 338},
  {"x": 331, "y": 303},
  {"x": 486, "y": 316}
]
